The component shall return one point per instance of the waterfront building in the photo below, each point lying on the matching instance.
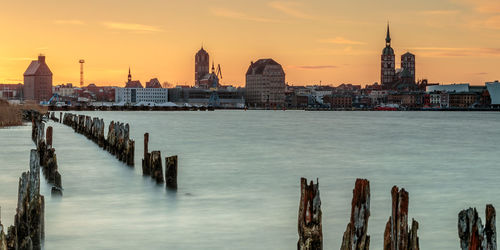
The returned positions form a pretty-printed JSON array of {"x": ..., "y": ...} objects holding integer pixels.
[
  {"x": 141, "y": 95},
  {"x": 458, "y": 88},
  {"x": 38, "y": 81},
  {"x": 265, "y": 84},
  {"x": 11, "y": 91},
  {"x": 220, "y": 98},
  {"x": 462, "y": 99},
  {"x": 494, "y": 92},
  {"x": 64, "y": 89}
]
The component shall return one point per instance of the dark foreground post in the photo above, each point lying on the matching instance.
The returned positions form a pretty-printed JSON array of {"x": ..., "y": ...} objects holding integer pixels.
[
  {"x": 171, "y": 171},
  {"x": 471, "y": 232},
  {"x": 146, "y": 169},
  {"x": 396, "y": 235},
  {"x": 309, "y": 224},
  {"x": 156, "y": 166},
  {"x": 355, "y": 236},
  {"x": 49, "y": 137}
]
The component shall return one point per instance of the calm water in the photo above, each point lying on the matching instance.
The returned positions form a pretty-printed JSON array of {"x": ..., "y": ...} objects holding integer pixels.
[{"x": 239, "y": 177}]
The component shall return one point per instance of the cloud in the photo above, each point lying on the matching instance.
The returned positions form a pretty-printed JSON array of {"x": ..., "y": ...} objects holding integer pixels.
[
  {"x": 70, "y": 22},
  {"x": 227, "y": 13},
  {"x": 16, "y": 59},
  {"x": 440, "y": 12},
  {"x": 312, "y": 67},
  {"x": 482, "y": 6},
  {"x": 134, "y": 27},
  {"x": 290, "y": 8},
  {"x": 341, "y": 40},
  {"x": 492, "y": 22},
  {"x": 457, "y": 52},
  {"x": 481, "y": 73}
]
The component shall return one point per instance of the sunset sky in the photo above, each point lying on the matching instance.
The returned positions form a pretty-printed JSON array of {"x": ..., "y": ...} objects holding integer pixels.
[{"x": 331, "y": 41}]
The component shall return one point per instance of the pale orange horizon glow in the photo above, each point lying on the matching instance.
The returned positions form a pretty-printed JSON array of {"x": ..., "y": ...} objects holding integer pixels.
[{"x": 327, "y": 41}]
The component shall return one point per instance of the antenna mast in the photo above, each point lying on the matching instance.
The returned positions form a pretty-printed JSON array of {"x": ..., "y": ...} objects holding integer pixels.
[{"x": 81, "y": 71}]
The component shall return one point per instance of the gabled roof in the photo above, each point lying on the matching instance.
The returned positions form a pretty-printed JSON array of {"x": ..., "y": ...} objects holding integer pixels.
[
  {"x": 38, "y": 68},
  {"x": 133, "y": 84},
  {"x": 259, "y": 66}
]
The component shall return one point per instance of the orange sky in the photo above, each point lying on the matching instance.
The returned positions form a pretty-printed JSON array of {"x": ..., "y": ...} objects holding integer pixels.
[{"x": 331, "y": 41}]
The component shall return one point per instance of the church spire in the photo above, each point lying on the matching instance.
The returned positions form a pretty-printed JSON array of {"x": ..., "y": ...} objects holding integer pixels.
[
  {"x": 129, "y": 75},
  {"x": 388, "y": 37},
  {"x": 213, "y": 66}
]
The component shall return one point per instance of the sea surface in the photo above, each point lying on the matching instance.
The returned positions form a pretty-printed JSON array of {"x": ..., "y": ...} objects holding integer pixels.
[{"x": 239, "y": 176}]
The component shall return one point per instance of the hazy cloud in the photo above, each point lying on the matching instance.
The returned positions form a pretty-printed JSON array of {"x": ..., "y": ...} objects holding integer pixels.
[
  {"x": 457, "y": 52},
  {"x": 71, "y": 22},
  {"x": 135, "y": 27},
  {"x": 341, "y": 40},
  {"x": 312, "y": 67},
  {"x": 290, "y": 8},
  {"x": 440, "y": 12},
  {"x": 227, "y": 13},
  {"x": 16, "y": 58}
]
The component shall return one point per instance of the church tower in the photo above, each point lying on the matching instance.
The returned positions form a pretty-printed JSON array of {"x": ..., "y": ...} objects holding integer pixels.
[
  {"x": 388, "y": 71},
  {"x": 201, "y": 65}
]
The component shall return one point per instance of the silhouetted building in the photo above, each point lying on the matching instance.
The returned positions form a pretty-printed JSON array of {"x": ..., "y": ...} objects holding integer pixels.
[
  {"x": 201, "y": 65},
  {"x": 408, "y": 65},
  {"x": 153, "y": 84},
  {"x": 38, "y": 81},
  {"x": 132, "y": 84},
  {"x": 388, "y": 70},
  {"x": 265, "y": 84}
]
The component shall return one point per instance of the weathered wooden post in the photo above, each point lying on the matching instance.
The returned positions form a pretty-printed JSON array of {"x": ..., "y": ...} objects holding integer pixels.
[
  {"x": 309, "y": 223},
  {"x": 396, "y": 235},
  {"x": 156, "y": 166},
  {"x": 355, "y": 236},
  {"x": 471, "y": 232},
  {"x": 171, "y": 172},
  {"x": 60, "y": 117},
  {"x": 49, "y": 137},
  {"x": 146, "y": 169}
]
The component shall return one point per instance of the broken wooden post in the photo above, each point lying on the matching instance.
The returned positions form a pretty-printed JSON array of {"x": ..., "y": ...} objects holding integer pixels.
[
  {"x": 171, "y": 172},
  {"x": 146, "y": 169},
  {"x": 29, "y": 222},
  {"x": 472, "y": 234},
  {"x": 155, "y": 162},
  {"x": 309, "y": 223},
  {"x": 49, "y": 137},
  {"x": 396, "y": 235},
  {"x": 355, "y": 236}
]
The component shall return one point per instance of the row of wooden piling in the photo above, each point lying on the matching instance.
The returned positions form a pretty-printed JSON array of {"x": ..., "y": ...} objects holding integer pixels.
[
  {"x": 152, "y": 165},
  {"x": 118, "y": 142},
  {"x": 28, "y": 231},
  {"x": 46, "y": 153},
  {"x": 397, "y": 235}
]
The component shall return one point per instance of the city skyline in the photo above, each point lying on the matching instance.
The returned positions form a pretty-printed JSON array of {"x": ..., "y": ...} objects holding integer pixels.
[{"x": 325, "y": 41}]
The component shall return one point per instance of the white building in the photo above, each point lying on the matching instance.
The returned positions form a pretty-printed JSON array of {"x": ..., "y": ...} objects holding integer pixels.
[
  {"x": 457, "y": 88},
  {"x": 494, "y": 90},
  {"x": 439, "y": 100},
  {"x": 136, "y": 95}
]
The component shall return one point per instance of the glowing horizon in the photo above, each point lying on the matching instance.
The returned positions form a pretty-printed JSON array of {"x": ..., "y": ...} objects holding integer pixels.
[{"x": 331, "y": 42}]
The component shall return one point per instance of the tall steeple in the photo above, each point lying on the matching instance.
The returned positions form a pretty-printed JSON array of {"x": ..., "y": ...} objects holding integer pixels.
[
  {"x": 388, "y": 37},
  {"x": 213, "y": 67},
  {"x": 129, "y": 75}
]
